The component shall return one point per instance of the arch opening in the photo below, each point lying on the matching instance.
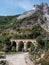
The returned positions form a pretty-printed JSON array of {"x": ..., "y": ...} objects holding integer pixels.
[
  {"x": 21, "y": 46},
  {"x": 14, "y": 46},
  {"x": 29, "y": 44}
]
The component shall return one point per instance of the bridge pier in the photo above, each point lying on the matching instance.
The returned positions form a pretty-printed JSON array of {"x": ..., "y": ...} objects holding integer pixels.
[
  {"x": 17, "y": 46},
  {"x": 25, "y": 47}
]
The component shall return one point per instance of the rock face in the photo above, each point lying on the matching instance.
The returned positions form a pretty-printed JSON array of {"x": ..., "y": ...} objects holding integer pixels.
[
  {"x": 26, "y": 14},
  {"x": 43, "y": 7},
  {"x": 43, "y": 11}
]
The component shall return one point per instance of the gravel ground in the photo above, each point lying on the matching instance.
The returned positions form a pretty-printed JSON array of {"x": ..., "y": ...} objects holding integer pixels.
[{"x": 16, "y": 59}]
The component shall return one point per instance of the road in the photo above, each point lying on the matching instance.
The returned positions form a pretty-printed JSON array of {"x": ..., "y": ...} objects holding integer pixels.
[{"x": 16, "y": 59}]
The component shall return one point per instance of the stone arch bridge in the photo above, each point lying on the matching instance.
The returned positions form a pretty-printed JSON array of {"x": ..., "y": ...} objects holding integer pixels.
[{"x": 25, "y": 42}]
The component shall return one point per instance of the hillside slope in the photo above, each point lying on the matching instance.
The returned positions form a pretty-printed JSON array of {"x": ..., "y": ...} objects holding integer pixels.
[{"x": 20, "y": 26}]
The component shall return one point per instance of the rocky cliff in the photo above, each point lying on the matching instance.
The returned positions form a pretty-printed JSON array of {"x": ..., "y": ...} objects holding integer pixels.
[{"x": 43, "y": 16}]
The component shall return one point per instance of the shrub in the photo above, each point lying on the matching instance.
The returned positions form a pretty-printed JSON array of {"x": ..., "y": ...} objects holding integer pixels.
[{"x": 40, "y": 41}]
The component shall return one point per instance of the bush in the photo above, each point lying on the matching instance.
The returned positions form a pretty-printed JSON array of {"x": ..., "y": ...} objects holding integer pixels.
[
  {"x": 32, "y": 48},
  {"x": 2, "y": 62},
  {"x": 7, "y": 45},
  {"x": 44, "y": 62},
  {"x": 40, "y": 41},
  {"x": 45, "y": 59}
]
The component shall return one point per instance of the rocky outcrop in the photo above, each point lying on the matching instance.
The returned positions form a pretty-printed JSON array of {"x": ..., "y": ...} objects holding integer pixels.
[
  {"x": 43, "y": 11},
  {"x": 26, "y": 14}
]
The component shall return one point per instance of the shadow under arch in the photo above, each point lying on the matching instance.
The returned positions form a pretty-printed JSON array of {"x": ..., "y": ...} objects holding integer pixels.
[
  {"x": 21, "y": 46},
  {"x": 29, "y": 44},
  {"x": 14, "y": 46}
]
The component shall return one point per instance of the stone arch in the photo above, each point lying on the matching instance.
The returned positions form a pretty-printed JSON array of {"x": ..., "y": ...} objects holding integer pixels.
[
  {"x": 14, "y": 46},
  {"x": 29, "y": 43},
  {"x": 21, "y": 46}
]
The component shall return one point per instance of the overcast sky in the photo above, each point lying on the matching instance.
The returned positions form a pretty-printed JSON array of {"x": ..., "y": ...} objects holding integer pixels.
[{"x": 13, "y": 7}]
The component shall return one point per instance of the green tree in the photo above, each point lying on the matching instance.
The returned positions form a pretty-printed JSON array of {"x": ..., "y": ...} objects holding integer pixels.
[{"x": 7, "y": 44}]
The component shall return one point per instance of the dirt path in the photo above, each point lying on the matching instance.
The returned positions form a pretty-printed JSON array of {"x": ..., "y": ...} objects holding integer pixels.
[{"x": 16, "y": 59}]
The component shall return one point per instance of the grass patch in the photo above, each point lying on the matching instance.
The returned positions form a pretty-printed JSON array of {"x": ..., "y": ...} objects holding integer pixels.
[{"x": 9, "y": 53}]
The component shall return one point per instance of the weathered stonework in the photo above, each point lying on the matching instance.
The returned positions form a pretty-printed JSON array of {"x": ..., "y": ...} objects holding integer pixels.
[{"x": 25, "y": 41}]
